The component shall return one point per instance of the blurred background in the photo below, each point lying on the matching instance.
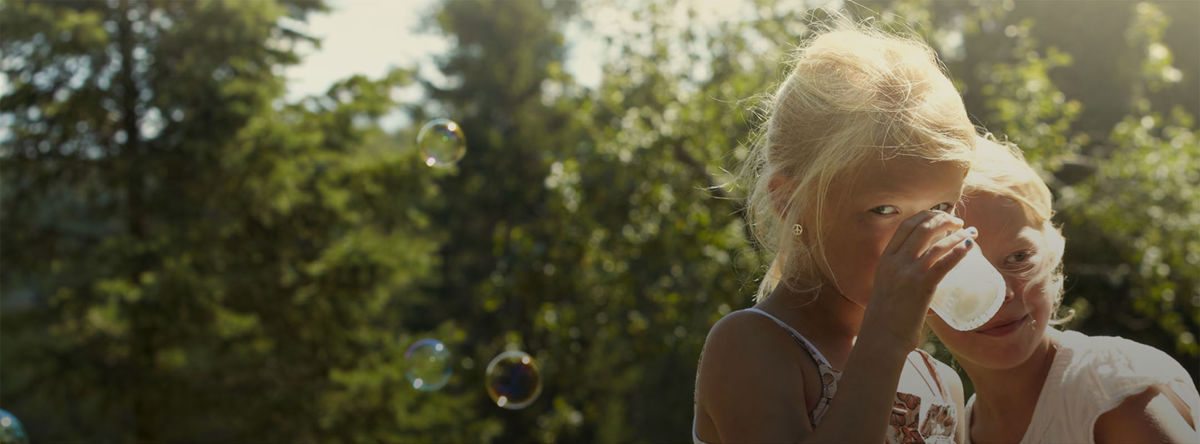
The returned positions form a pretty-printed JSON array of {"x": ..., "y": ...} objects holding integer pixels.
[{"x": 210, "y": 231}]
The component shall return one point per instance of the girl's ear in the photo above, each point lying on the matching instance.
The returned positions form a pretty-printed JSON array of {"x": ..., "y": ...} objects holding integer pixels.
[{"x": 780, "y": 189}]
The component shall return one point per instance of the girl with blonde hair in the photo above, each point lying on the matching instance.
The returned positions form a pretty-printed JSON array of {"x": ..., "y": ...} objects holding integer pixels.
[
  {"x": 1037, "y": 384},
  {"x": 862, "y": 160}
]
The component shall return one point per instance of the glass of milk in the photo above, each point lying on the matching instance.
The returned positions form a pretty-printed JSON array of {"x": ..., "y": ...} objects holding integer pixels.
[{"x": 970, "y": 294}]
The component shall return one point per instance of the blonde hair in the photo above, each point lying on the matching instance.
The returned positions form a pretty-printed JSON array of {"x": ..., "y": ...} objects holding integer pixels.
[
  {"x": 854, "y": 94},
  {"x": 999, "y": 169}
]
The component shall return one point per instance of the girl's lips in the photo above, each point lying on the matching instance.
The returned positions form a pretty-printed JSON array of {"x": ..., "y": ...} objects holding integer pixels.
[{"x": 1005, "y": 328}]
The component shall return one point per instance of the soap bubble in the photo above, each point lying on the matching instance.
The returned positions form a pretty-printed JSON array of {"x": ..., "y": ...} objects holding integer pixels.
[
  {"x": 11, "y": 431},
  {"x": 513, "y": 380},
  {"x": 442, "y": 143},
  {"x": 428, "y": 364}
]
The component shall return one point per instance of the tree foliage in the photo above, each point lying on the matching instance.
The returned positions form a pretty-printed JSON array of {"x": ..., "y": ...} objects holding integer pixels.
[{"x": 186, "y": 256}]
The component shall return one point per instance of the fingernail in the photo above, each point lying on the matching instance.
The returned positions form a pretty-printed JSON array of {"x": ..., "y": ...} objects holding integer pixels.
[
  {"x": 972, "y": 231},
  {"x": 969, "y": 242}
]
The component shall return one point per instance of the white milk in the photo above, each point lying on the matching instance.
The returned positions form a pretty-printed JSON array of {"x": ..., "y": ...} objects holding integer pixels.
[{"x": 970, "y": 294}]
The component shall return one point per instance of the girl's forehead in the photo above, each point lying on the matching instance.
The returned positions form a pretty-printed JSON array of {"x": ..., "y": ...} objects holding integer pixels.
[
  {"x": 999, "y": 216},
  {"x": 906, "y": 177}
]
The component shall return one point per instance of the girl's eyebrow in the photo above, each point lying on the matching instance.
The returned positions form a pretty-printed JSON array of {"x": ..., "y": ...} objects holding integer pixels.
[
  {"x": 1030, "y": 236},
  {"x": 1022, "y": 240},
  {"x": 892, "y": 194}
]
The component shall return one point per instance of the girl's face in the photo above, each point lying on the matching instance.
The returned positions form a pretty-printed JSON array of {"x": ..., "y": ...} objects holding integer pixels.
[
  {"x": 1017, "y": 248},
  {"x": 864, "y": 210}
]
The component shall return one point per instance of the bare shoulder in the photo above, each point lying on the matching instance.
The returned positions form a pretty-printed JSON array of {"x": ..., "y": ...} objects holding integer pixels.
[
  {"x": 743, "y": 386},
  {"x": 739, "y": 326},
  {"x": 1149, "y": 416},
  {"x": 741, "y": 344}
]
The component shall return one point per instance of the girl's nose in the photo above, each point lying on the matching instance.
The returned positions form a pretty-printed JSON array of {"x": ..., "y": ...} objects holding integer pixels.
[{"x": 1010, "y": 288}]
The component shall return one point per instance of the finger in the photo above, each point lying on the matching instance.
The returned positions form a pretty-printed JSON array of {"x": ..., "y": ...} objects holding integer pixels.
[
  {"x": 928, "y": 232},
  {"x": 938, "y": 269},
  {"x": 940, "y": 248},
  {"x": 905, "y": 230}
]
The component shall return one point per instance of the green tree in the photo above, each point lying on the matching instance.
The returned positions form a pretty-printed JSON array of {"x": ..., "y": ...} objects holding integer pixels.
[
  {"x": 188, "y": 257},
  {"x": 201, "y": 261},
  {"x": 1138, "y": 214},
  {"x": 583, "y": 226},
  {"x": 614, "y": 257}
]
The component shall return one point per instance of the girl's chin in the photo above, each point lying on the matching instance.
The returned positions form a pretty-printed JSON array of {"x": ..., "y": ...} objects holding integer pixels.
[
  {"x": 993, "y": 362},
  {"x": 997, "y": 357}
]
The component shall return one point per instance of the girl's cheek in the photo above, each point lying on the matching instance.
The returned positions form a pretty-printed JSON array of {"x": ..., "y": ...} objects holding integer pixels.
[
  {"x": 866, "y": 233},
  {"x": 869, "y": 220},
  {"x": 877, "y": 230},
  {"x": 876, "y": 240},
  {"x": 1039, "y": 300}
]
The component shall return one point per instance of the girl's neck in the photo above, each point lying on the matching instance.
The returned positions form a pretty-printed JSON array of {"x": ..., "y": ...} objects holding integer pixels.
[
  {"x": 823, "y": 316},
  {"x": 1006, "y": 398}
]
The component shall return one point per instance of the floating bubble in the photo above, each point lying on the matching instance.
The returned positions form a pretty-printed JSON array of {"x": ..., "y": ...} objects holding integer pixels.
[
  {"x": 442, "y": 143},
  {"x": 428, "y": 364},
  {"x": 513, "y": 380},
  {"x": 11, "y": 431}
]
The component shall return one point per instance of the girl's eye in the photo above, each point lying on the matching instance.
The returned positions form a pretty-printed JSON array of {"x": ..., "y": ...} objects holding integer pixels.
[
  {"x": 1019, "y": 257},
  {"x": 885, "y": 210},
  {"x": 945, "y": 207}
]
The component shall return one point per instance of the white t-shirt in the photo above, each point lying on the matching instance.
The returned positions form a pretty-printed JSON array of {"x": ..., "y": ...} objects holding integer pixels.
[{"x": 1091, "y": 375}]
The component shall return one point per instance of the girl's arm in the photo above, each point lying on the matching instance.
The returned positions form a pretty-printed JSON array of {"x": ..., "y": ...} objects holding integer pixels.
[
  {"x": 859, "y": 412},
  {"x": 917, "y": 258},
  {"x": 1153, "y": 416}
]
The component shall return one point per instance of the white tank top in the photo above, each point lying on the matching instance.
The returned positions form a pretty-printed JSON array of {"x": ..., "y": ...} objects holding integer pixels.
[{"x": 1091, "y": 375}]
